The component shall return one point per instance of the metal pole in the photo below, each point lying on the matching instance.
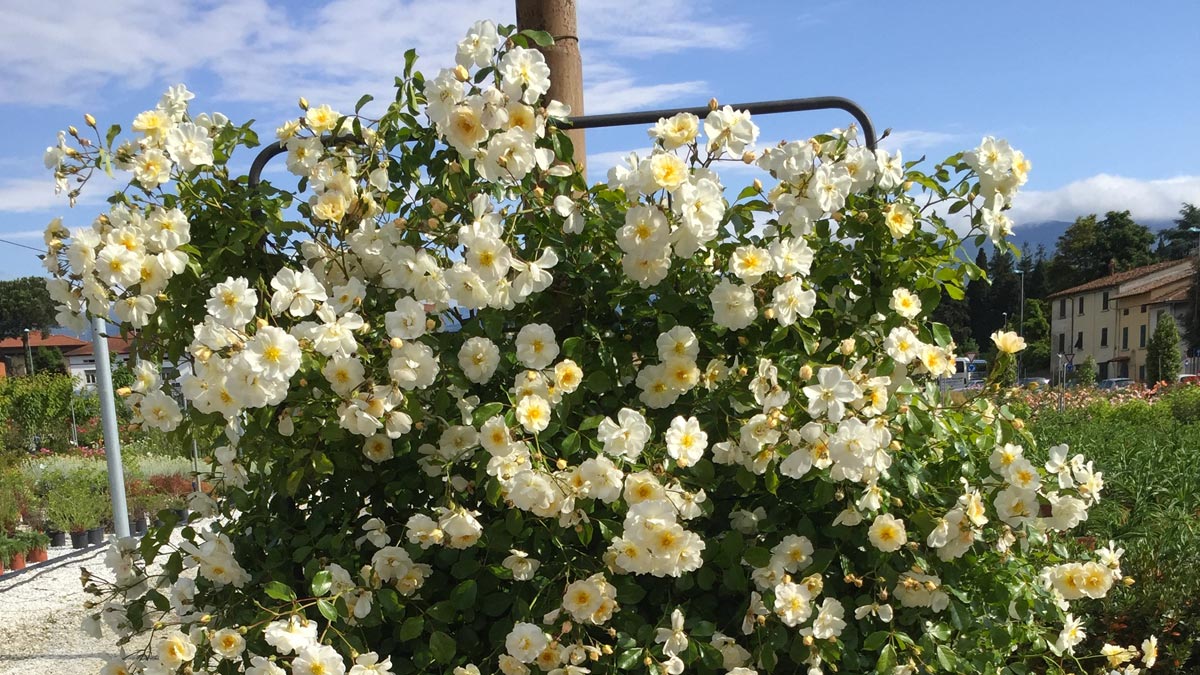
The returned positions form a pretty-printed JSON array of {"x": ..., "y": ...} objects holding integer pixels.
[
  {"x": 557, "y": 17},
  {"x": 28, "y": 354},
  {"x": 108, "y": 417},
  {"x": 1021, "y": 322}
]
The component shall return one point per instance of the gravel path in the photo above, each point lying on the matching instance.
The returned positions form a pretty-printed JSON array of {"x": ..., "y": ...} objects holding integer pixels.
[{"x": 40, "y": 614}]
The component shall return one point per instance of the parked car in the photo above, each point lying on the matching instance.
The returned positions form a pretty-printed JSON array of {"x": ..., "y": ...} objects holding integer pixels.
[
  {"x": 1034, "y": 382},
  {"x": 1189, "y": 378},
  {"x": 1116, "y": 383}
]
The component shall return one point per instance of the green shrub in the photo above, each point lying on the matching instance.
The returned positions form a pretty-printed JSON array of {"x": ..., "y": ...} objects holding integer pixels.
[{"x": 1150, "y": 453}]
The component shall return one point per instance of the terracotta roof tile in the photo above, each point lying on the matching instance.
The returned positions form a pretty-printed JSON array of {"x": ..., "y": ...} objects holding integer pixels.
[
  {"x": 36, "y": 340},
  {"x": 1158, "y": 283},
  {"x": 116, "y": 345},
  {"x": 1118, "y": 278}
]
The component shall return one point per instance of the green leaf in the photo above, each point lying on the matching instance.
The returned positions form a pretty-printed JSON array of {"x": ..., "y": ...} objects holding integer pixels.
[
  {"x": 487, "y": 411},
  {"x": 327, "y": 609},
  {"x": 366, "y": 98},
  {"x": 941, "y": 334},
  {"x": 570, "y": 444},
  {"x": 757, "y": 556},
  {"x": 463, "y": 595},
  {"x": 540, "y": 37},
  {"x": 279, "y": 591},
  {"x": 389, "y": 601},
  {"x": 443, "y": 611},
  {"x": 629, "y": 659},
  {"x": 598, "y": 382},
  {"x": 875, "y": 640},
  {"x": 572, "y": 347},
  {"x": 886, "y": 661},
  {"x": 322, "y": 464},
  {"x": 411, "y": 628},
  {"x": 321, "y": 582},
  {"x": 591, "y": 423},
  {"x": 771, "y": 479},
  {"x": 939, "y": 632},
  {"x": 442, "y": 646},
  {"x": 946, "y": 657},
  {"x": 410, "y": 57}
]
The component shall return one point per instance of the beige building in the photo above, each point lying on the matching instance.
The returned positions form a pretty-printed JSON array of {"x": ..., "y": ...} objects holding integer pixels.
[{"x": 1112, "y": 318}]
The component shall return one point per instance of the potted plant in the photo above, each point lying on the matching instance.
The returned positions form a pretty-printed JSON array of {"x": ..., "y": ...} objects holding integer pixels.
[
  {"x": 16, "y": 553},
  {"x": 9, "y": 556},
  {"x": 67, "y": 508},
  {"x": 36, "y": 544}
]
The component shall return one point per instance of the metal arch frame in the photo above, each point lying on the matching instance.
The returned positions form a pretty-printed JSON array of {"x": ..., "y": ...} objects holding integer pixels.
[{"x": 651, "y": 116}]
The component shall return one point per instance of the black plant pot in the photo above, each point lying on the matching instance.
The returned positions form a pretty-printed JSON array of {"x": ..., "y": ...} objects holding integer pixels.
[
  {"x": 57, "y": 538},
  {"x": 96, "y": 535},
  {"x": 183, "y": 515},
  {"x": 140, "y": 524},
  {"x": 79, "y": 539}
]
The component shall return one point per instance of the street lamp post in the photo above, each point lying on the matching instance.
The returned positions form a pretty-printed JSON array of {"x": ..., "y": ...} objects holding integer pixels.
[
  {"x": 1021, "y": 321},
  {"x": 28, "y": 354}
]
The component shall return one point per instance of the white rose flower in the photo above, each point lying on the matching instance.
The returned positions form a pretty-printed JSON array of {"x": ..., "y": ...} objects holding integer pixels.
[
  {"x": 887, "y": 533},
  {"x": 536, "y": 347},
  {"x": 478, "y": 359},
  {"x": 625, "y": 437},
  {"x": 686, "y": 441},
  {"x": 521, "y": 565},
  {"x": 733, "y": 305}
]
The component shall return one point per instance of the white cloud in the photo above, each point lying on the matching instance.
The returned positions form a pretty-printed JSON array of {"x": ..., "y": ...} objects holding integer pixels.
[
  {"x": 22, "y": 195},
  {"x": 916, "y": 140},
  {"x": 29, "y": 195},
  {"x": 68, "y": 53},
  {"x": 619, "y": 95},
  {"x": 1144, "y": 199},
  {"x": 22, "y": 234}
]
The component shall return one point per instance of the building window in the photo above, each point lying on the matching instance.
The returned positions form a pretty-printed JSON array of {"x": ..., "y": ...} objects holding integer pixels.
[
  {"x": 89, "y": 376},
  {"x": 1125, "y": 337},
  {"x": 1143, "y": 309},
  {"x": 1062, "y": 308},
  {"x": 1079, "y": 341},
  {"x": 1103, "y": 337},
  {"x": 1142, "y": 336},
  {"x": 1081, "y": 305},
  {"x": 1104, "y": 301},
  {"x": 1125, "y": 312},
  {"x": 1062, "y": 342},
  {"x": 1142, "y": 373}
]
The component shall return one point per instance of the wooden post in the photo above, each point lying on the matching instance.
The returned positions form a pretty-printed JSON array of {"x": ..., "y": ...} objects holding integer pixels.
[{"x": 557, "y": 17}]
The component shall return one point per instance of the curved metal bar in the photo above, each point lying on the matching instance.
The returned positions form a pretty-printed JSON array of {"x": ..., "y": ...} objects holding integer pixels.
[
  {"x": 651, "y": 116},
  {"x": 756, "y": 108},
  {"x": 260, "y": 162}
]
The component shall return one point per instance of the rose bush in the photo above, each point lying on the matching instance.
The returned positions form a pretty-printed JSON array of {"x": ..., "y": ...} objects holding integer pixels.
[{"x": 480, "y": 416}]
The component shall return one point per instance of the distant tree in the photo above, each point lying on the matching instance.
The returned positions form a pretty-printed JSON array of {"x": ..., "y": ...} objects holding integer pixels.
[
  {"x": 1091, "y": 248},
  {"x": 48, "y": 360},
  {"x": 25, "y": 303},
  {"x": 1086, "y": 373},
  {"x": 978, "y": 297},
  {"x": 957, "y": 317},
  {"x": 1036, "y": 330},
  {"x": 1035, "y": 278},
  {"x": 1179, "y": 241},
  {"x": 1163, "y": 361},
  {"x": 1122, "y": 239},
  {"x": 1003, "y": 298},
  {"x": 1074, "y": 255}
]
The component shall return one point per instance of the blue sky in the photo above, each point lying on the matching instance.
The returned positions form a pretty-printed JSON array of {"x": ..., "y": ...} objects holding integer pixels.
[{"x": 1102, "y": 96}]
